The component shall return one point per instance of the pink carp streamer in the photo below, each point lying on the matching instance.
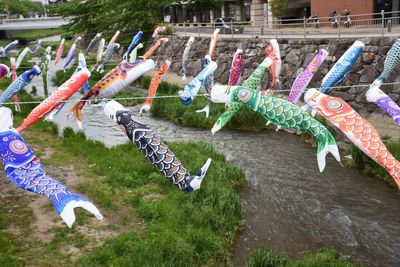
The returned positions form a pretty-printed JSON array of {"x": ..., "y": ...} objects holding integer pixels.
[
  {"x": 237, "y": 68},
  {"x": 274, "y": 53},
  {"x": 59, "y": 51},
  {"x": 304, "y": 78},
  {"x": 158, "y": 30},
  {"x": 114, "y": 38},
  {"x": 13, "y": 78},
  {"x": 155, "y": 82},
  {"x": 356, "y": 128}
]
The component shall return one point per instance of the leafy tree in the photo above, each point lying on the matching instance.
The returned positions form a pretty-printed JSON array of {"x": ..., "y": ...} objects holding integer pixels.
[
  {"x": 19, "y": 7},
  {"x": 205, "y": 4},
  {"x": 108, "y": 16},
  {"x": 278, "y": 7}
]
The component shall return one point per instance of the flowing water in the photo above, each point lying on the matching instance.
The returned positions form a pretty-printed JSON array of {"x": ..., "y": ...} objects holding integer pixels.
[{"x": 289, "y": 205}]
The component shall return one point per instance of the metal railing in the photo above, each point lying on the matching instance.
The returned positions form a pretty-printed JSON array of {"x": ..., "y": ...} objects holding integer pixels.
[{"x": 361, "y": 25}]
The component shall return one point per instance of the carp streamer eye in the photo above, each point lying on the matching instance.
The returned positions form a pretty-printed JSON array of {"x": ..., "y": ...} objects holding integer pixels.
[{"x": 335, "y": 105}]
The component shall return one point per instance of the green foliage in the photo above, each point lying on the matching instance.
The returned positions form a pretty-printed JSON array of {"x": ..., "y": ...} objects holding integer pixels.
[
  {"x": 278, "y": 7},
  {"x": 36, "y": 34},
  {"x": 265, "y": 257},
  {"x": 108, "y": 16},
  {"x": 369, "y": 166},
  {"x": 173, "y": 110},
  {"x": 21, "y": 7}
]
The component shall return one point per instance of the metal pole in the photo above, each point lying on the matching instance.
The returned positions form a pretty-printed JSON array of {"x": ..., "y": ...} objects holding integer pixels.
[
  {"x": 276, "y": 29},
  {"x": 198, "y": 29},
  {"x": 339, "y": 24},
  {"x": 304, "y": 27},
  {"x": 383, "y": 21}
]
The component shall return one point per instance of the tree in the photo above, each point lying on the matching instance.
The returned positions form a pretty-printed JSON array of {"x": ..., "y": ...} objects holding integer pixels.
[
  {"x": 278, "y": 7},
  {"x": 21, "y": 7},
  {"x": 108, "y": 16},
  {"x": 205, "y": 4}
]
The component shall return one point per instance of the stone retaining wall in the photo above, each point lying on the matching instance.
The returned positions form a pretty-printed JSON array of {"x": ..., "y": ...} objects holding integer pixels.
[{"x": 295, "y": 56}]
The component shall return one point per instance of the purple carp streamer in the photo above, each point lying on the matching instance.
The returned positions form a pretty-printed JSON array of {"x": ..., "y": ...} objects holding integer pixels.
[
  {"x": 4, "y": 71},
  {"x": 376, "y": 95},
  {"x": 304, "y": 78},
  {"x": 237, "y": 67},
  {"x": 71, "y": 54},
  {"x": 162, "y": 158},
  {"x": 92, "y": 43},
  {"x": 25, "y": 170},
  {"x": 157, "y": 31},
  {"x": 8, "y": 47},
  {"x": 185, "y": 57}
]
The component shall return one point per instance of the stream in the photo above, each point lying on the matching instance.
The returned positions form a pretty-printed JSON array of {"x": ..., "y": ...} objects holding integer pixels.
[{"x": 289, "y": 205}]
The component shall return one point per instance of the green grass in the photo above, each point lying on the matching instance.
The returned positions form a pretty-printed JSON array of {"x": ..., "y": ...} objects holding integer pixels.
[
  {"x": 369, "y": 166},
  {"x": 36, "y": 34},
  {"x": 265, "y": 257},
  {"x": 181, "y": 229},
  {"x": 173, "y": 110}
]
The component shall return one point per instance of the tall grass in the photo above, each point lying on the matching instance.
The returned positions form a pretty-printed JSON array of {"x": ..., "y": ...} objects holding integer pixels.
[
  {"x": 265, "y": 257},
  {"x": 369, "y": 166}
]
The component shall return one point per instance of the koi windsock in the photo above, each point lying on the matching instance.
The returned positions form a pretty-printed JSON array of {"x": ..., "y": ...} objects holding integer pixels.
[
  {"x": 185, "y": 57},
  {"x": 360, "y": 132},
  {"x": 274, "y": 53},
  {"x": 25, "y": 170},
  {"x": 136, "y": 39},
  {"x": 304, "y": 78},
  {"x": 112, "y": 83},
  {"x": 63, "y": 93},
  {"x": 151, "y": 146},
  {"x": 376, "y": 95},
  {"x": 59, "y": 51},
  {"x": 8, "y": 47},
  {"x": 155, "y": 82}
]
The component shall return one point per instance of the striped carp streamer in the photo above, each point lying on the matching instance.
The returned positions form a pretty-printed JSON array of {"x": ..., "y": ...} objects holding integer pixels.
[
  {"x": 151, "y": 146},
  {"x": 4, "y": 71},
  {"x": 25, "y": 170},
  {"x": 59, "y": 51},
  {"x": 38, "y": 45},
  {"x": 133, "y": 54},
  {"x": 155, "y": 82},
  {"x": 71, "y": 54},
  {"x": 7, "y": 48},
  {"x": 192, "y": 89},
  {"x": 273, "y": 109},
  {"x": 21, "y": 56},
  {"x": 114, "y": 38},
  {"x": 63, "y": 93},
  {"x": 237, "y": 68},
  {"x": 342, "y": 68},
  {"x": 274, "y": 53},
  {"x": 360, "y": 132},
  {"x": 112, "y": 83},
  {"x": 45, "y": 69},
  {"x": 304, "y": 78},
  {"x": 19, "y": 83},
  {"x": 376, "y": 95},
  {"x": 157, "y": 31},
  {"x": 111, "y": 48},
  {"x": 136, "y": 39},
  {"x": 185, "y": 57},
  {"x": 92, "y": 43}
]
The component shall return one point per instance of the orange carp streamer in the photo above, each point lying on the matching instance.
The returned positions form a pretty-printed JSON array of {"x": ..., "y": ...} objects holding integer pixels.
[
  {"x": 356, "y": 128},
  {"x": 63, "y": 93},
  {"x": 155, "y": 82},
  {"x": 152, "y": 49}
]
